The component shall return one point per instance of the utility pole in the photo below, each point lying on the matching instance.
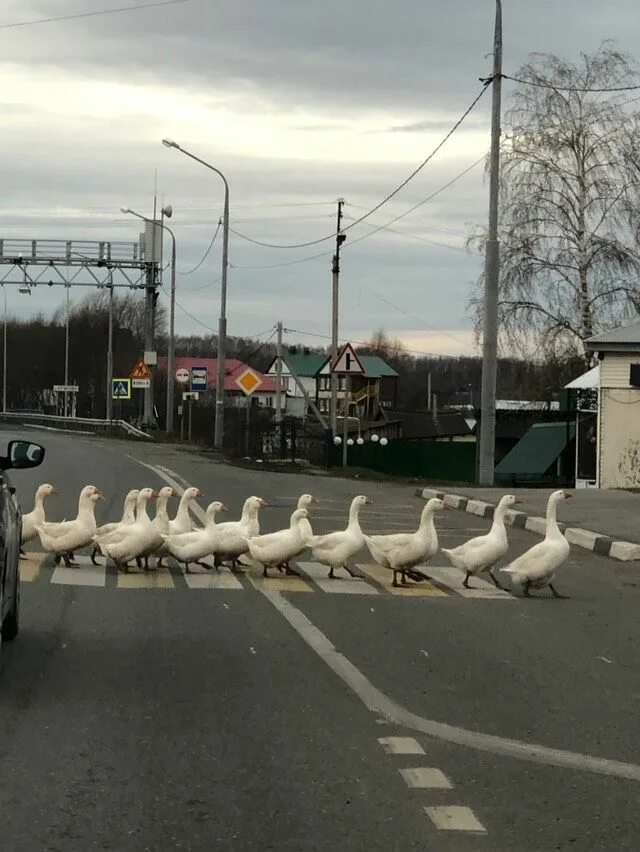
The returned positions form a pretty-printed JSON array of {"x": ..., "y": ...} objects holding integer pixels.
[
  {"x": 278, "y": 387},
  {"x": 109, "y": 411},
  {"x": 150, "y": 309},
  {"x": 335, "y": 308},
  {"x": 492, "y": 276}
]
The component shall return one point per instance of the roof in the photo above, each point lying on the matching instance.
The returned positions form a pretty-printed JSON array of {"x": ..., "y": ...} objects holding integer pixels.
[
  {"x": 590, "y": 379},
  {"x": 616, "y": 339},
  {"x": 306, "y": 364},
  {"x": 422, "y": 424},
  {"x": 233, "y": 368},
  {"x": 374, "y": 367},
  {"x": 537, "y": 450}
]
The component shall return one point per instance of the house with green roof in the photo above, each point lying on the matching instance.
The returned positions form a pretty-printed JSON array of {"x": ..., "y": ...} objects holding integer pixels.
[{"x": 375, "y": 390}]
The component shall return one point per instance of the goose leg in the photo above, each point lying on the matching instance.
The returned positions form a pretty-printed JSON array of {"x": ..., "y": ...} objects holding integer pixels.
[
  {"x": 555, "y": 593},
  {"x": 68, "y": 560},
  {"x": 350, "y": 572},
  {"x": 465, "y": 582},
  {"x": 395, "y": 579},
  {"x": 493, "y": 577},
  {"x": 94, "y": 552},
  {"x": 56, "y": 559},
  {"x": 264, "y": 571},
  {"x": 525, "y": 590},
  {"x": 331, "y": 574},
  {"x": 22, "y": 552},
  {"x": 291, "y": 572}
]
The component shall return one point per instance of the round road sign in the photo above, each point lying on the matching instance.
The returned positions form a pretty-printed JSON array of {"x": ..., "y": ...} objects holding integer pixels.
[{"x": 182, "y": 376}]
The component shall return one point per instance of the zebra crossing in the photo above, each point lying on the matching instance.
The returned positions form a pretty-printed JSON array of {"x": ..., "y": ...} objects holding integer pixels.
[{"x": 373, "y": 580}]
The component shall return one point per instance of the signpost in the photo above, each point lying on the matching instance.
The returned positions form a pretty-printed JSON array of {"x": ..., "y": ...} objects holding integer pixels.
[
  {"x": 121, "y": 389},
  {"x": 190, "y": 396},
  {"x": 182, "y": 376},
  {"x": 248, "y": 381},
  {"x": 347, "y": 364},
  {"x": 138, "y": 384},
  {"x": 199, "y": 379},
  {"x": 66, "y": 388}
]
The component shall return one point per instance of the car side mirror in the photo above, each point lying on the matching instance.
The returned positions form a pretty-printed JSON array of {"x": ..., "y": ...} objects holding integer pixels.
[{"x": 24, "y": 454}]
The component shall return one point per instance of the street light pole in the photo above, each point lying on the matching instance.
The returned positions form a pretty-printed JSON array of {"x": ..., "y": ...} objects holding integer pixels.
[
  {"x": 335, "y": 309},
  {"x": 66, "y": 359},
  {"x": 222, "y": 322},
  {"x": 109, "y": 407},
  {"x": 492, "y": 276},
  {"x": 4, "y": 355},
  {"x": 171, "y": 346}
]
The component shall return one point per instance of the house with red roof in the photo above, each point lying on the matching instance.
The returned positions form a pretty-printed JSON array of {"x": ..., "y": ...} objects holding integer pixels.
[{"x": 264, "y": 395}]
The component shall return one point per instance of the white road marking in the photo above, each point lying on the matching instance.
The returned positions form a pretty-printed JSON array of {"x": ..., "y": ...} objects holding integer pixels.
[
  {"x": 455, "y": 818},
  {"x": 85, "y": 575},
  {"x": 318, "y": 573},
  {"x": 380, "y": 704},
  {"x": 216, "y": 580},
  {"x": 426, "y": 778},
  {"x": 452, "y": 578},
  {"x": 400, "y": 745}
]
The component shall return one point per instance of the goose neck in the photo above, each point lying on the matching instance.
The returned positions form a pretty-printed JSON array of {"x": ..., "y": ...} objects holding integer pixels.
[{"x": 552, "y": 524}]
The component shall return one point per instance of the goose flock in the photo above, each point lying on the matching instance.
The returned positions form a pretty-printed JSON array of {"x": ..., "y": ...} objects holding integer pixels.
[{"x": 137, "y": 537}]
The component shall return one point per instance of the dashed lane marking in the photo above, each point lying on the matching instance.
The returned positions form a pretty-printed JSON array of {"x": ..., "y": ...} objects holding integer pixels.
[
  {"x": 345, "y": 585},
  {"x": 381, "y": 575},
  {"x": 160, "y": 579},
  {"x": 455, "y": 818},
  {"x": 401, "y": 745},
  {"x": 426, "y": 778}
]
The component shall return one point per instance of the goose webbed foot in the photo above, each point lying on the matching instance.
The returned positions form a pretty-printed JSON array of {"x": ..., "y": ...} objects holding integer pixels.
[
  {"x": 557, "y": 594},
  {"x": 68, "y": 560},
  {"x": 331, "y": 574}
]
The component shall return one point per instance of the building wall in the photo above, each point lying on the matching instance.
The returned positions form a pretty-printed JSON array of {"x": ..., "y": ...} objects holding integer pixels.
[
  {"x": 291, "y": 386},
  {"x": 618, "y": 424}
]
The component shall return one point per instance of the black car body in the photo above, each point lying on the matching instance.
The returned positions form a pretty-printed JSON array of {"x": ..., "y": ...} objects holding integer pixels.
[{"x": 20, "y": 455}]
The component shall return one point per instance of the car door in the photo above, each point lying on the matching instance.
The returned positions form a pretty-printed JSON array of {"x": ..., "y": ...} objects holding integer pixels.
[{"x": 9, "y": 541}]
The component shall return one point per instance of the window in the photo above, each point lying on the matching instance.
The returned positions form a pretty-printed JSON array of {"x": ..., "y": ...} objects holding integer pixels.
[
  {"x": 325, "y": 383},
  {"x": 323, "y": 404}
]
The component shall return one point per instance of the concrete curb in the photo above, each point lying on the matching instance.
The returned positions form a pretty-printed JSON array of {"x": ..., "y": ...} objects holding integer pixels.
[{"x": 623, "y": 551}]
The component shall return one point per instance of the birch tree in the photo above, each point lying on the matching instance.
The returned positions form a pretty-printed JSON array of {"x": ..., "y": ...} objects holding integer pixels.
[{"x": 570, "y": 203}]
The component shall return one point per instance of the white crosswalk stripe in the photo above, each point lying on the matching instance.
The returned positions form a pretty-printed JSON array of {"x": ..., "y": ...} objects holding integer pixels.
[{"x": 447, "y": 581}]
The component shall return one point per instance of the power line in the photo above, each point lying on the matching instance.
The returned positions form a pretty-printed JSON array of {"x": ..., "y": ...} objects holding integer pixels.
[
  {"x": 542, "y": 85},
  {"x": 387, "y": 198},
  {"x": 206, "y": 254},
  {"x": 408, "y": 236},
  {"x": 92, "y": 14},
  {"x": 368, "y": 343},
  {"x": 415, "y": 206},
  {"x": 287, "y": 263}
]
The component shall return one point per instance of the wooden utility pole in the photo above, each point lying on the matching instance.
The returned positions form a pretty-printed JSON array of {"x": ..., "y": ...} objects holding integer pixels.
[
  {"x": 335, "y": 309},
  {"x": 492, "y": 276},
  {"x": 278, "y": 388}
]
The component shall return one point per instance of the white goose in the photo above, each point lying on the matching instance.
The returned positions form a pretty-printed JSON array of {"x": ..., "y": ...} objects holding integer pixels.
[
  {"x": 159, "y": 527},
  {"x": 230, "y": 540},
  {"x": 536, "y": 568},
  {"x": 127, "y": 543},
  {"x": 336, "y": 548},
  {"x": 182, "y": 523},
  {"x": 401, "y": 552},
  {"x": 194, "y": 546},
  {"x": 306, "y": 530},
  {"x": 275, "y": 549},
  {"x": 65, "y": 537},
  {"x": 481, "y": 553},
  {"x": 128, "y": 517},
  {"x": 36, "y": 515}
]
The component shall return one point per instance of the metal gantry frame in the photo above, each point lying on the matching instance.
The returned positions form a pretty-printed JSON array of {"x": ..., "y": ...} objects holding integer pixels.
[{"x": 102, "y": 264}]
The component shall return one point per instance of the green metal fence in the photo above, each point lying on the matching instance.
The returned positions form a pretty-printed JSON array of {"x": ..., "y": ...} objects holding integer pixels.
[{"x": 450, "y": 461}]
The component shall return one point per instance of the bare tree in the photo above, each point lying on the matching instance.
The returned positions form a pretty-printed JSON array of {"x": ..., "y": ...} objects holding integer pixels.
[{"x": 570, "y": 199}]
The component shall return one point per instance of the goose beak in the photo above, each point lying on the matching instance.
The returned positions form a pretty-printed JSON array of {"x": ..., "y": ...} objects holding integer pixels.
[
  {"x": 154, "y": 494},
  {"x": 368, "y": 502},
  {"x": 199, "y": 493},
  {"x": 101, "y": 496},
  {"x": 54, "y": 491},
  {"x": 314, "y": 500},
  {"x": 518, "y": 502},
  {"x": 567, "y": 495},
  {"x": 446, "y": 507},
  {"x": 223, "y": 508},
  {"x": 263, "y": 503}
]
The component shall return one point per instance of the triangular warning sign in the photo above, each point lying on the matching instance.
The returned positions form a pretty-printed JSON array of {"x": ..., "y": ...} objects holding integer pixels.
[
  {"x": 140, "y": 371},
  {"x": 348, "y": 362}
]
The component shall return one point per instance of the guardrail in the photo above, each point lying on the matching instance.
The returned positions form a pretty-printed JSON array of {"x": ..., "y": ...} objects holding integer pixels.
[{"x": 75, "y": 424}]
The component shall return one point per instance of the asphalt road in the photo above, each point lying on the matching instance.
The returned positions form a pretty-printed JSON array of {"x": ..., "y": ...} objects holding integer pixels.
[{"x": 252, "y": 717}]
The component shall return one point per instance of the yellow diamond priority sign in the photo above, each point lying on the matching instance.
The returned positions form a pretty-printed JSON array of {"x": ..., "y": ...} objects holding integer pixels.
[{"x": 248, "y": 381}]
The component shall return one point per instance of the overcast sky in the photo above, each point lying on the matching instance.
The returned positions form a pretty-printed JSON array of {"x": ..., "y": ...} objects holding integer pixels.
[{"x": 298, "y": 103}]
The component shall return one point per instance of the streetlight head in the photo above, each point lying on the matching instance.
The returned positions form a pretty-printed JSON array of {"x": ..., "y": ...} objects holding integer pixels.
[
  {"x": 349, "y": 442},
  {"x": 169, "y": 143},
  {"x": 337, "y": 440},
  {"x": 383, "y": 442},
  {"x": 375, "y": 438},
  {"x": 168, "y": 211},
  {"x": 125, "y": 210},
  {"x": 360, "y": 441}
]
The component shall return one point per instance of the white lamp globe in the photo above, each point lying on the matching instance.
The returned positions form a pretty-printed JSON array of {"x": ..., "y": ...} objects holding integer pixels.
[
  {"x": 337, "y": 440},
  {"x": 383, "y": 442},
  {"x": 360, "y": 441},
  {"x": 349, "y": 442},
  {"x": 375, "y": 439}
]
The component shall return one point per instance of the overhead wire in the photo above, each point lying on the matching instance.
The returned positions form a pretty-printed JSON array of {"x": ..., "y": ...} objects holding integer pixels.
[
  {"x": 368, "y": 343},
  {"x": 95, "y": 14},
  {"x": 387, "y": 198},
  {"x": 543, "y": 85},
  {"x": 206, "y": 254}
]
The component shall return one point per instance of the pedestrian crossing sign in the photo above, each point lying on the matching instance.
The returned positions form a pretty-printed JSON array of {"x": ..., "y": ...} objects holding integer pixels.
[{"x": 121, "y": 389}]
